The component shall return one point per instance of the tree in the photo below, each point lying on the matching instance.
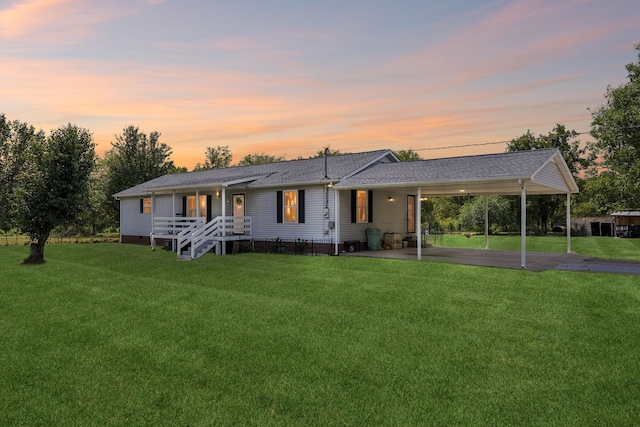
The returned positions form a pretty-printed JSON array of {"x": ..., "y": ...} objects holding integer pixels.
[
  {"x": 547, "y": 208},
  {"x": 598, "y": 195},
  {"x": 259, "y": 159},
  {"x": 616, "y": 128},
  {"x": 578, "y": 158},
  {"x": 471, "y": 215},
  {"x": 133, "y": 159},
  {"x": 407, "y": 155},
  {"x": 215, "y": 158},
  {"x": 95, "y": 212},
  {"x": 15, "y": 137},
  {"x": 53, "y": 184}
]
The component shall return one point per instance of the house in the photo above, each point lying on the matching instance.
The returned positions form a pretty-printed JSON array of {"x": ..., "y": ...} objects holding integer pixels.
[{"x": 331, "y": 199}]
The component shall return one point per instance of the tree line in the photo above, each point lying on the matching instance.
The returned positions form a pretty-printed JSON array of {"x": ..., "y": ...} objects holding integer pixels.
[{"x": 57, "y": 180}]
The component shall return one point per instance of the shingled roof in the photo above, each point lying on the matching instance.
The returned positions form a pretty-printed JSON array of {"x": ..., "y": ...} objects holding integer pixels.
[
  {"x": 544, "y": 171},
  {"x": 292, "y": 172}
]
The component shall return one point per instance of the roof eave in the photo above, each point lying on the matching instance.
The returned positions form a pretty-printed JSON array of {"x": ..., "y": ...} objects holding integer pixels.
[{"x": 340, "y": 186}]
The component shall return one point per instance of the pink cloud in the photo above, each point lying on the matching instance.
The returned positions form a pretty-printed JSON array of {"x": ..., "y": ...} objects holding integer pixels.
[{"x": 29, "y": 15}]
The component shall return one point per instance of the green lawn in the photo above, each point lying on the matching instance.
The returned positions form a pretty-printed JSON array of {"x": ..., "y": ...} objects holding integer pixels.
[
  {"x": 599, "y": 247},
  {"x": 109, "y": 334}
]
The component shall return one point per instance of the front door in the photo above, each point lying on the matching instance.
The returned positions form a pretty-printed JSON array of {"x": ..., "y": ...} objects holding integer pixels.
[{"x": 238, "y": 211}]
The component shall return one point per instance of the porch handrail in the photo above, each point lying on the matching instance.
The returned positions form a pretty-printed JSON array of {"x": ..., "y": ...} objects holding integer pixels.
[
  {"x": 236, "y": 225},
  {"x": 198, "y": 233},
  {"x": 171, "y": 226},
  {"x": 184, "y": 236},
  {"x": 203, "y": 234}
]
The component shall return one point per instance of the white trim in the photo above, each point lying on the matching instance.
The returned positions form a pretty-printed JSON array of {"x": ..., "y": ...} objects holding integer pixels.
[
  {"x": 336, "y": 201},
  {"x": 523, "y": 225},
  {"x": 419, "y": 224},
  {"x": 486, "y": 221},
  {"x": 568, "y": 225}
]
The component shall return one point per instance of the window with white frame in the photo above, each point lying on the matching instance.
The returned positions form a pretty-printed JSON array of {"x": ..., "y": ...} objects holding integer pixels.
[
  {"x": 290, "y": 205},
  {"x": 362, "y": 206},
  {"x": 145, "y": 205},
  {"x": 191, "y": 206}
]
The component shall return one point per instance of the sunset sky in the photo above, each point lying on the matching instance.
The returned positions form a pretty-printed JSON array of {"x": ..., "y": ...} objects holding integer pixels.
[{"x": 286, "y": 77}]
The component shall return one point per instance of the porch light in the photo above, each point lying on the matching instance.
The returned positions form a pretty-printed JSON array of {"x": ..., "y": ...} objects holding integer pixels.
[
  {"x": 390, "y": 199},
  {"x": 218, "y": 194}
]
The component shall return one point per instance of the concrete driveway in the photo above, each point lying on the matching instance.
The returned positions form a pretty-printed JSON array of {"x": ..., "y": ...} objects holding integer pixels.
[{"x": 536, "y": 261}]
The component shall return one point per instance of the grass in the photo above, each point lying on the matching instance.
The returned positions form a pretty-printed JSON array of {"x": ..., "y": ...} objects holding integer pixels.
[
  {"x": 112, "y": 334},
  {"x": 599, "y": 247}
]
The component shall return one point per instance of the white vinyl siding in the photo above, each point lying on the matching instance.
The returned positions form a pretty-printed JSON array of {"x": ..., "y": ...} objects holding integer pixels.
[
  {"x": 131, "y": 222},
  {"x": 550, "y": 176},
  {"x": 387, "y": 216},
  {"x": 261, "y": 206}
]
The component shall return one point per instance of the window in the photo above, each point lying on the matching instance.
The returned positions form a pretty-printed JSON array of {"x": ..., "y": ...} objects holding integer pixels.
[
  {"x": 145, "y": 205},
  {"x": 361, "y": 206},
  {"x": 191, "y": 206},
  {"x": 290, "y": 206},
  {"x": 411, "y": 213}
]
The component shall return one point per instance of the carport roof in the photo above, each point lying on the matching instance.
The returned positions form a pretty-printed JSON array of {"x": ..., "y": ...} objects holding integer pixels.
[{"x": 544, "y": 171}]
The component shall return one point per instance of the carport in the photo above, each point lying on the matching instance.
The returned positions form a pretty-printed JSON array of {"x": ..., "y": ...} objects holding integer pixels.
[{"x": 520, "y": 173}]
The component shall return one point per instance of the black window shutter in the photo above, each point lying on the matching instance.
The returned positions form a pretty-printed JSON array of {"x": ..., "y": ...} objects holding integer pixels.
[
  {"x": 279, "y": 207},
  {"x": 370, "y": 203},
  {"x": 184, "y": 205},
  {"x": 301, "y": 206},
  {"x": 209, "y": 207},
  {"x": 354, "y": 207},
  {"x": 141, "y": 205}
]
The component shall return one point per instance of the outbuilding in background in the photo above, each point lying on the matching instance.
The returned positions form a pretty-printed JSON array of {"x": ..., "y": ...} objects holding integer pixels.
[{"x": 627, "y": 223}]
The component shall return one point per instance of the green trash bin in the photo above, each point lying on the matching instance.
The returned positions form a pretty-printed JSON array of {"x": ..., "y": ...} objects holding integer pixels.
[{"x": 373, "y": 239}]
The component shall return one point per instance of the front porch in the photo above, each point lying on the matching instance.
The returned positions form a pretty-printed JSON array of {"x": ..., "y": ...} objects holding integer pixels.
[{"x": 192, "y": 237}]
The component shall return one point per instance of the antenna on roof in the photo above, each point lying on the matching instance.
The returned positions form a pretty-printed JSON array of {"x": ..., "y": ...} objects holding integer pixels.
[{"x": 326, "y": 154}]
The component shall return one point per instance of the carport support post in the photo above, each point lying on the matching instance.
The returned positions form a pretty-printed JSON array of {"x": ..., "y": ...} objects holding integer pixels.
[
  {"x": 419, "y": 224},
  {"x": 523, "y": 225},
  {"x": 569, "y": 223},
  {"x": 223, "y": 198},
  {"x": 336, "y": 216},
  {"x": 486, "y": 221},
  {"x": 174, "y": 242}
]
